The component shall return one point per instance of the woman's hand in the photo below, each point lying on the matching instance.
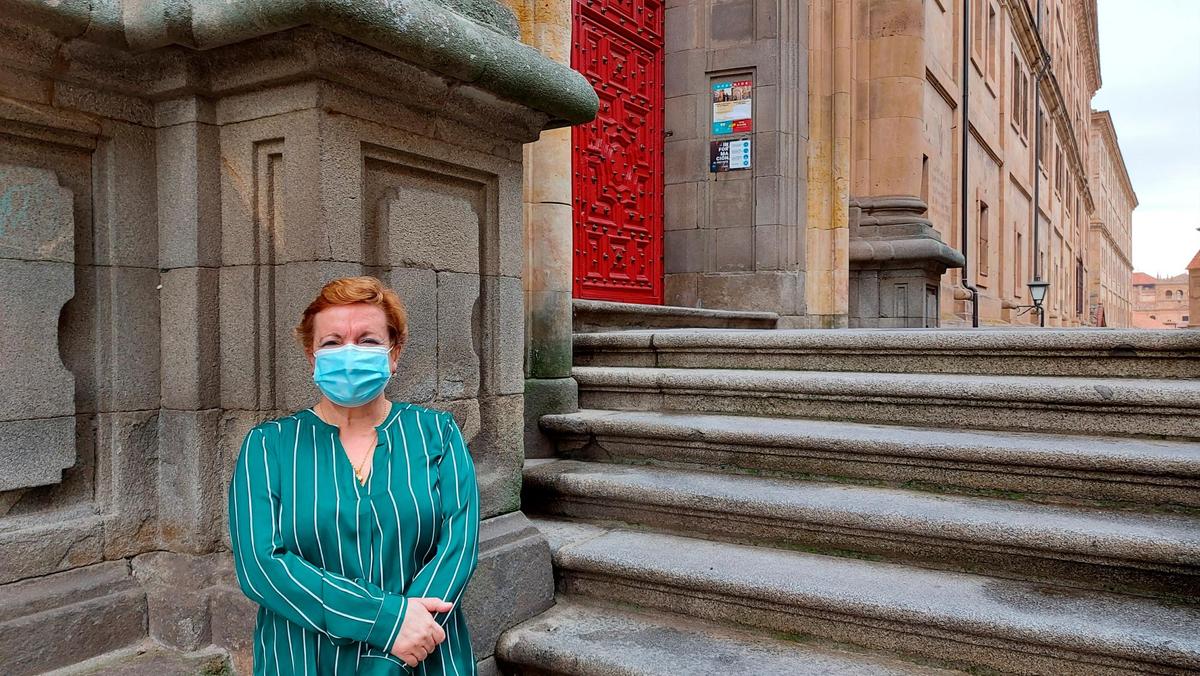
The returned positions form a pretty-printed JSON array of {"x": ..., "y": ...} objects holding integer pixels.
[{"x": 420, "y": 633}]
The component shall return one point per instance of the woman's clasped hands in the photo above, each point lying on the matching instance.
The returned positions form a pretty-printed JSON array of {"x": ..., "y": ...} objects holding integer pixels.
[{"x": 420, "y": 634}]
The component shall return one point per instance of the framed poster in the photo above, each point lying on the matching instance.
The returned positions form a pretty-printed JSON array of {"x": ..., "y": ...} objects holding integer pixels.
[
  {"x": 729, "y": 155},
  {"x": 732, "y": 107}
]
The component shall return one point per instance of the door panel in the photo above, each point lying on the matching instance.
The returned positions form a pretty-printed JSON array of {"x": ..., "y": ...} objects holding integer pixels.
[{"x": 617, "y": 158}]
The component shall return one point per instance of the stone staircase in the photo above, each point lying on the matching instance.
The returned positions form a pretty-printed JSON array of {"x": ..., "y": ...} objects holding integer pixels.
[{"x": 734, "y": 501}]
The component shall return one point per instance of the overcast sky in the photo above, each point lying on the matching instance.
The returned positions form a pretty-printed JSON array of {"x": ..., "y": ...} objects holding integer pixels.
[{"x": 1150, "y": 68}]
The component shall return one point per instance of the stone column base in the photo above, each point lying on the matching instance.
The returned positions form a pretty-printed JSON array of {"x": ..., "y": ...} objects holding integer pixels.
[{"x": 542, "y": 396}]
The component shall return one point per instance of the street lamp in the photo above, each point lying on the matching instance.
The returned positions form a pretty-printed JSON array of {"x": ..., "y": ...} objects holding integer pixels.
[{"x": 1037, "y": 293}]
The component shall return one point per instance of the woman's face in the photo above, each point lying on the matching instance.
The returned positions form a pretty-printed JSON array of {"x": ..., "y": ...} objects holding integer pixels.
[{"x": 356, "y": 323}]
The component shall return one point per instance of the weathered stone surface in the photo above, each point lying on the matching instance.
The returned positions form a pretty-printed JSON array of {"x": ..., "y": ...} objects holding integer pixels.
[
  {"x": 99, "y": 607},
  {"x": 36, "y": 219},
  {"x": 216, "y": 179},
  {"x": 417, "y": 370},
  {"x": 430, "y": 227},
  {"x": 507, "y": 334},
  {"x": 188, "y": 175},
  {"x": 936, "y": 614},
  {"x": 1150, "y": 553},
  {"x": 127, "y": 481},
  {"x": 1061, "y": 468},
  {"x": 126, "y": 229},
  {"x": 190, "y": 320},
  {"x": 512, "y": 582},
  {"x": 499, "y": 454},
  {"x": 459, "y": 335},
  {"x": 578, "y": 636},
  {"x": 1051, "y": 352},
  {"x": 35, "y": 452},
  {"x": 598, "y": 315},
  {"x": 1073, "y": 405},
  {"x": 112, "y": 340},
  {"x": 178, "y": 589},
  {"x": 151, "y": 659},
  {"x": 41, "y": 547},
  {"x": 37, "y": 407},
  {"x": 192, "y": 481},
  {"x": 546, "y": 396},
  {"x": 233, "y": 626}
]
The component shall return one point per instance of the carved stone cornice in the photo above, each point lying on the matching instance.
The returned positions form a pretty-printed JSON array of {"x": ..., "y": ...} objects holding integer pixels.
[{"x": 473, "y": 41}]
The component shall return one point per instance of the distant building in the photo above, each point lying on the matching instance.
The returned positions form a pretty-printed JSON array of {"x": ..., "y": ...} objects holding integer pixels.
[
  {"x": 1161, "y": 302},
  {"x": 1110, "y": 233}
]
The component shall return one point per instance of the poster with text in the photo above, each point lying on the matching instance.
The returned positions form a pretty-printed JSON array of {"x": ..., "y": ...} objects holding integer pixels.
[
  {"x": 732, "y": 107},
  {"x": 729, "y": 155}
]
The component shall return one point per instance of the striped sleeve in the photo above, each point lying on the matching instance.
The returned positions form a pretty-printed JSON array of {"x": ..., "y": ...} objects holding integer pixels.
[
  {"x": 445, "y": 576},
  {"x": 287, "y": 584}
]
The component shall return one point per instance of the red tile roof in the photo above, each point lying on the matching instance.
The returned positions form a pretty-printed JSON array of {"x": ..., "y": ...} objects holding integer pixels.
[
  {"x": 1195, "y": 264},
  {"x": 1141, "y": 278}
]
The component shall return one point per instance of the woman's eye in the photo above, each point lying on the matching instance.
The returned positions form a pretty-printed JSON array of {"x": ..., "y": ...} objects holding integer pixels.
[
  {"x": 329, "y": 343},
  {"x": 370, "y": 341}
]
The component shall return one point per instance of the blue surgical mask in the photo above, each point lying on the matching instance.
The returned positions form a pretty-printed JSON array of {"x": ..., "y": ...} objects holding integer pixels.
[{"x": 351, "y": 375}]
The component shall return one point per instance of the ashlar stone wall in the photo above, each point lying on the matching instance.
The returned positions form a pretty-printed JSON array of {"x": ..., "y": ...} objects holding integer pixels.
[{"x": 170, "y": 200}]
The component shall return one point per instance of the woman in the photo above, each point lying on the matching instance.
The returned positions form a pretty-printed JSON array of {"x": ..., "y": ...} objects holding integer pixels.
[{"x": 354, "y": 523}]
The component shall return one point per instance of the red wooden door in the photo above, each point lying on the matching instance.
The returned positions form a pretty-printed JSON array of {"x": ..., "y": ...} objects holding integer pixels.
[{"x": 617, "y": 159}]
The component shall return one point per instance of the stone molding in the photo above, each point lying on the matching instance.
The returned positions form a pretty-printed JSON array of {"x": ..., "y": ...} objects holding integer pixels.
[
  {"x": 892, "y": 229},
  {"x": 420, "y": 32}
]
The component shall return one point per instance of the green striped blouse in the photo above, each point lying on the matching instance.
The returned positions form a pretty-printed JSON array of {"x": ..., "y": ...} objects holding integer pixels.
[{"x": 332, "y": 562}]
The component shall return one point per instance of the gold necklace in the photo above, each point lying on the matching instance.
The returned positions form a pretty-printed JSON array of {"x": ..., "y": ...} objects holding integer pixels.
[{"x": 359, "y": 468}]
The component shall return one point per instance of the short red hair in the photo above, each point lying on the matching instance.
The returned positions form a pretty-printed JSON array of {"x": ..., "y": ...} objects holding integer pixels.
[{"x": 349, "y": 290}]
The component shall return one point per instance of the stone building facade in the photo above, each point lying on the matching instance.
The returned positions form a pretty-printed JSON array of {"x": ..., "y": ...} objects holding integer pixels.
[
  {"x": 1193, "y": 269},
  {"x": 1161, "y": 302},
  {"x": 177, "y": 180},
  {"x": 849, "y": 212},
  {"x": 1110, "y": 233}
]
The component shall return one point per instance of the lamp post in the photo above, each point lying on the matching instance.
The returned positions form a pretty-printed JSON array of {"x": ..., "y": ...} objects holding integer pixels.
[{"x": 1037, "y": 293}]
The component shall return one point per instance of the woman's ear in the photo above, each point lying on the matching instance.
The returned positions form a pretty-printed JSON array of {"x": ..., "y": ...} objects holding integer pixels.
[{"x": 394, "y": 355}]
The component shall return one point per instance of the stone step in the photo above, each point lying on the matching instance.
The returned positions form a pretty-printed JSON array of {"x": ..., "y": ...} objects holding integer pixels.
[
  {"x": 99, "y": 608},
  {"x": 602, "y": 315},
  {"x": 1090, "y": 547},
  {"x": 1101, "y": 353},
  {"x": 962, "y": 619},
  {"x": 151, "y": 659},
  {"x": 581, "y": 637},
  {"x": 1169, "y": 408},
  {"x": 1019, "y": 464}
]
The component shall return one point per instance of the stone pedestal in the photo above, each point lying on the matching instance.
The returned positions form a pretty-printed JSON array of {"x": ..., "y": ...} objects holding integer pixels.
[
  {"x": 896, "y": 262},
  {"x": 177, "y": 180}
]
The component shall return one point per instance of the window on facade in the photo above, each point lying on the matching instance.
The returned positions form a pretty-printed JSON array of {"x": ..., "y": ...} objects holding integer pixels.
[
  {"x": 984, "y": 227},
  {"x": 1019, "y": 280},
  {"x": 977, "y": 32},
  {"x": 1058, "y": 169},
  {"x": 1168, "y": 295},
  {"x": 1044, "y": 157},
  {"x": 991, "y": 46},
  {"x": 1079, "y": 286},
  {"x": 1020, "y": 97}
]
